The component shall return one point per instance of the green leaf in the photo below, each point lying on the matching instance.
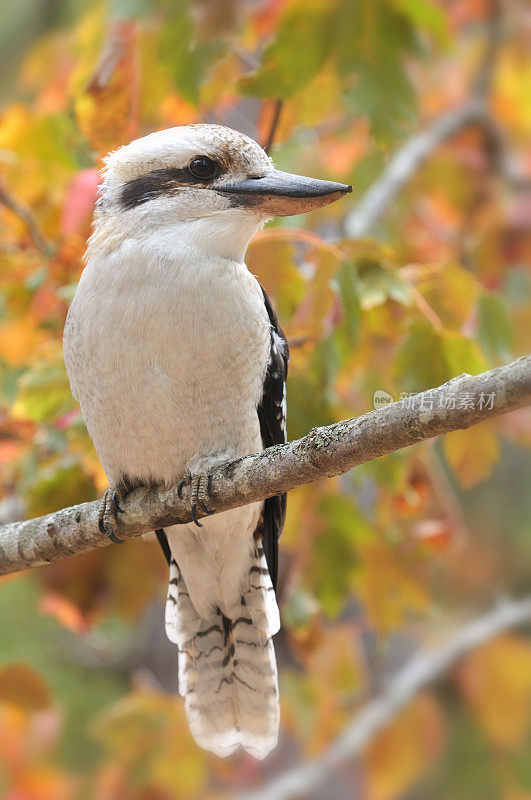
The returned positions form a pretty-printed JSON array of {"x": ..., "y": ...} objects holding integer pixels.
[
  {"x": 186, "y": 58},
  {"x": 146, "y": 730},
  {"x": 310, "y": 391},
  {"x": 462, "y": 355},
  {"x": 388, "y": 470},
  {"x": 36, "y": 278},
  {"x": 44, "y": 393},
  {"x": 129, "y": 9},
  {"x": 376, "y": 275},
  {"x": 427, "y": 358},
  {"x": 334, "y": 556},
  {"x": 299, "y": 608},
  {"x": 378, "y": 284},
  {"x": 303, "y": 43},
  {"x": 495, "y": 331},
  {"x": 373, "y": 40},
  {"x": 58, "y": 484},
  {"x": 9, "y": 378},
  {"x": 348, "y": 331},
  {"x": 425, "y": 14},
  {"x": 383, "y": 93}
]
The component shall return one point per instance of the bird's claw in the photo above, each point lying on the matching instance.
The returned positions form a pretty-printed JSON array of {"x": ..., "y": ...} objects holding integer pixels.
[
  {"x": 205, "y": 508},
  {"x": 116, "y": 503},
  {"x": 199, "y": 493},
  {"x": 109, "y": 508}
]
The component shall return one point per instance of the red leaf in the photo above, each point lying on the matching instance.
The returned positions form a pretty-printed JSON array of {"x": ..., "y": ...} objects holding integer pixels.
[{"x": 79, "y": 202}]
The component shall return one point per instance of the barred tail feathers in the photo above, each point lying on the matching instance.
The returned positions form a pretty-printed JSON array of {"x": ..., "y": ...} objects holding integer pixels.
[{"x": 227, "y": 668}]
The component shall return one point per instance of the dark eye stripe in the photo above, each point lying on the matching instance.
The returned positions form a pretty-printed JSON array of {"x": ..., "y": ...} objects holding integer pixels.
[{"x": 156, "y": 183}]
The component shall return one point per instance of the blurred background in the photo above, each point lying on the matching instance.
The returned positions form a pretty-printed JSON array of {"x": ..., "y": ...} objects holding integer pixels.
[{"x": 425, "y": 107}]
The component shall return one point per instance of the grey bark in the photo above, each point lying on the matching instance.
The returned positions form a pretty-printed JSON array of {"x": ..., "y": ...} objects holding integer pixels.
[{"x": 324, "y": 452}]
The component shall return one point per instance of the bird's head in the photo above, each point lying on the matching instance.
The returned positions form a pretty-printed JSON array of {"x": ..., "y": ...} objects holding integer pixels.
[{"x": 211, "y": 185}]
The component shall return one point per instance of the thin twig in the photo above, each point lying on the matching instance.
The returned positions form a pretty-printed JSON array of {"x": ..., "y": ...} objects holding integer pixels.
[
  {"x": 277, "y": 111},
  {"x": 425, "y": 308},
  {"x": 482, "y": 84},
  {"x": 24, "y": 213},
  {"x": 324, "y": 452},
  {"x": 300, "y": 235},
  {"x": 426, "y": 667}
]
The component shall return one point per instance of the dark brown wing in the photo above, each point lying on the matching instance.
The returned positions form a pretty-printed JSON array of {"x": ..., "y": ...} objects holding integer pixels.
[{"x": 272, "y": 417}]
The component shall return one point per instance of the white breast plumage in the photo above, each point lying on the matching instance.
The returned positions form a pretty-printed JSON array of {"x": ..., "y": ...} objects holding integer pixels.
[{"x": 177, "y": 363}]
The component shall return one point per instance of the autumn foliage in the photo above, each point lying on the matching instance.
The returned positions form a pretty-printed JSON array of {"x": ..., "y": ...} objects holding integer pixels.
[{"x": 373, "y": 562}]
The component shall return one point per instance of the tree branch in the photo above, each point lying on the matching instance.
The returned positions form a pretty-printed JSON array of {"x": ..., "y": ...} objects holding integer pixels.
[
  {"x": 424, "y": 668},
  {"x": 324, "y": 452}
]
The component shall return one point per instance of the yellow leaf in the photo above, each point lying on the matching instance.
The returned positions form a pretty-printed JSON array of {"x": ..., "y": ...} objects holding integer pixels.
[
  {"x": 513, "y": 84},
  {"x": 303, "y": 296},
  {"x": 149, "y": 730},
  {"x": 399, "y": 754},
  {"x": 472, "y": 453},
  {"x": 451, "y": 292},
  {"x": 271, "y": 257},
  {"x": 388, "y": 586},
  {"x": 496, "y": 682},
  {"x": 334, "y": 663},
  {"x": 38, "y": 166}
]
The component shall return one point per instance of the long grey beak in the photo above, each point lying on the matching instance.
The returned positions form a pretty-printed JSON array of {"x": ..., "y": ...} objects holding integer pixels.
[{"x": 281, "y": 193}]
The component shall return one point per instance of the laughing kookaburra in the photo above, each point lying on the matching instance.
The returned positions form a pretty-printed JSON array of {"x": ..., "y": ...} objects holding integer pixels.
[{"x": 176, "y": 356}]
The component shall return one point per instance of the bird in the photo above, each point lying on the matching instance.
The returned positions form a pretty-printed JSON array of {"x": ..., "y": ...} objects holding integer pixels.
[{"x": 176, "y": 356}]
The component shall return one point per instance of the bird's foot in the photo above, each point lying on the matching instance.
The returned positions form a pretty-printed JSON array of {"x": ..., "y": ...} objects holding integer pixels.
[
  {"x": 199, "y": 493},
  {"x": 109, "y": 508}
]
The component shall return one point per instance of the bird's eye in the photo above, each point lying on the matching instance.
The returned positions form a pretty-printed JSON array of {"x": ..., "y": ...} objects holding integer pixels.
[{"x": 203, "y": 167}]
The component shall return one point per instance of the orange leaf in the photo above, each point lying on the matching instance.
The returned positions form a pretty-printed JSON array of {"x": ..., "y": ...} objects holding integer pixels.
[
  {"x": 265, "y": 18},
  {"x": 108, "y": 110},
  {"x": 21, "y": 686},
  {"x": 18, "y": 339},
  {"x": 42, "y": 783},
  {"x": 176, "y": 111},
  {"x": 66, "y": 612}
]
